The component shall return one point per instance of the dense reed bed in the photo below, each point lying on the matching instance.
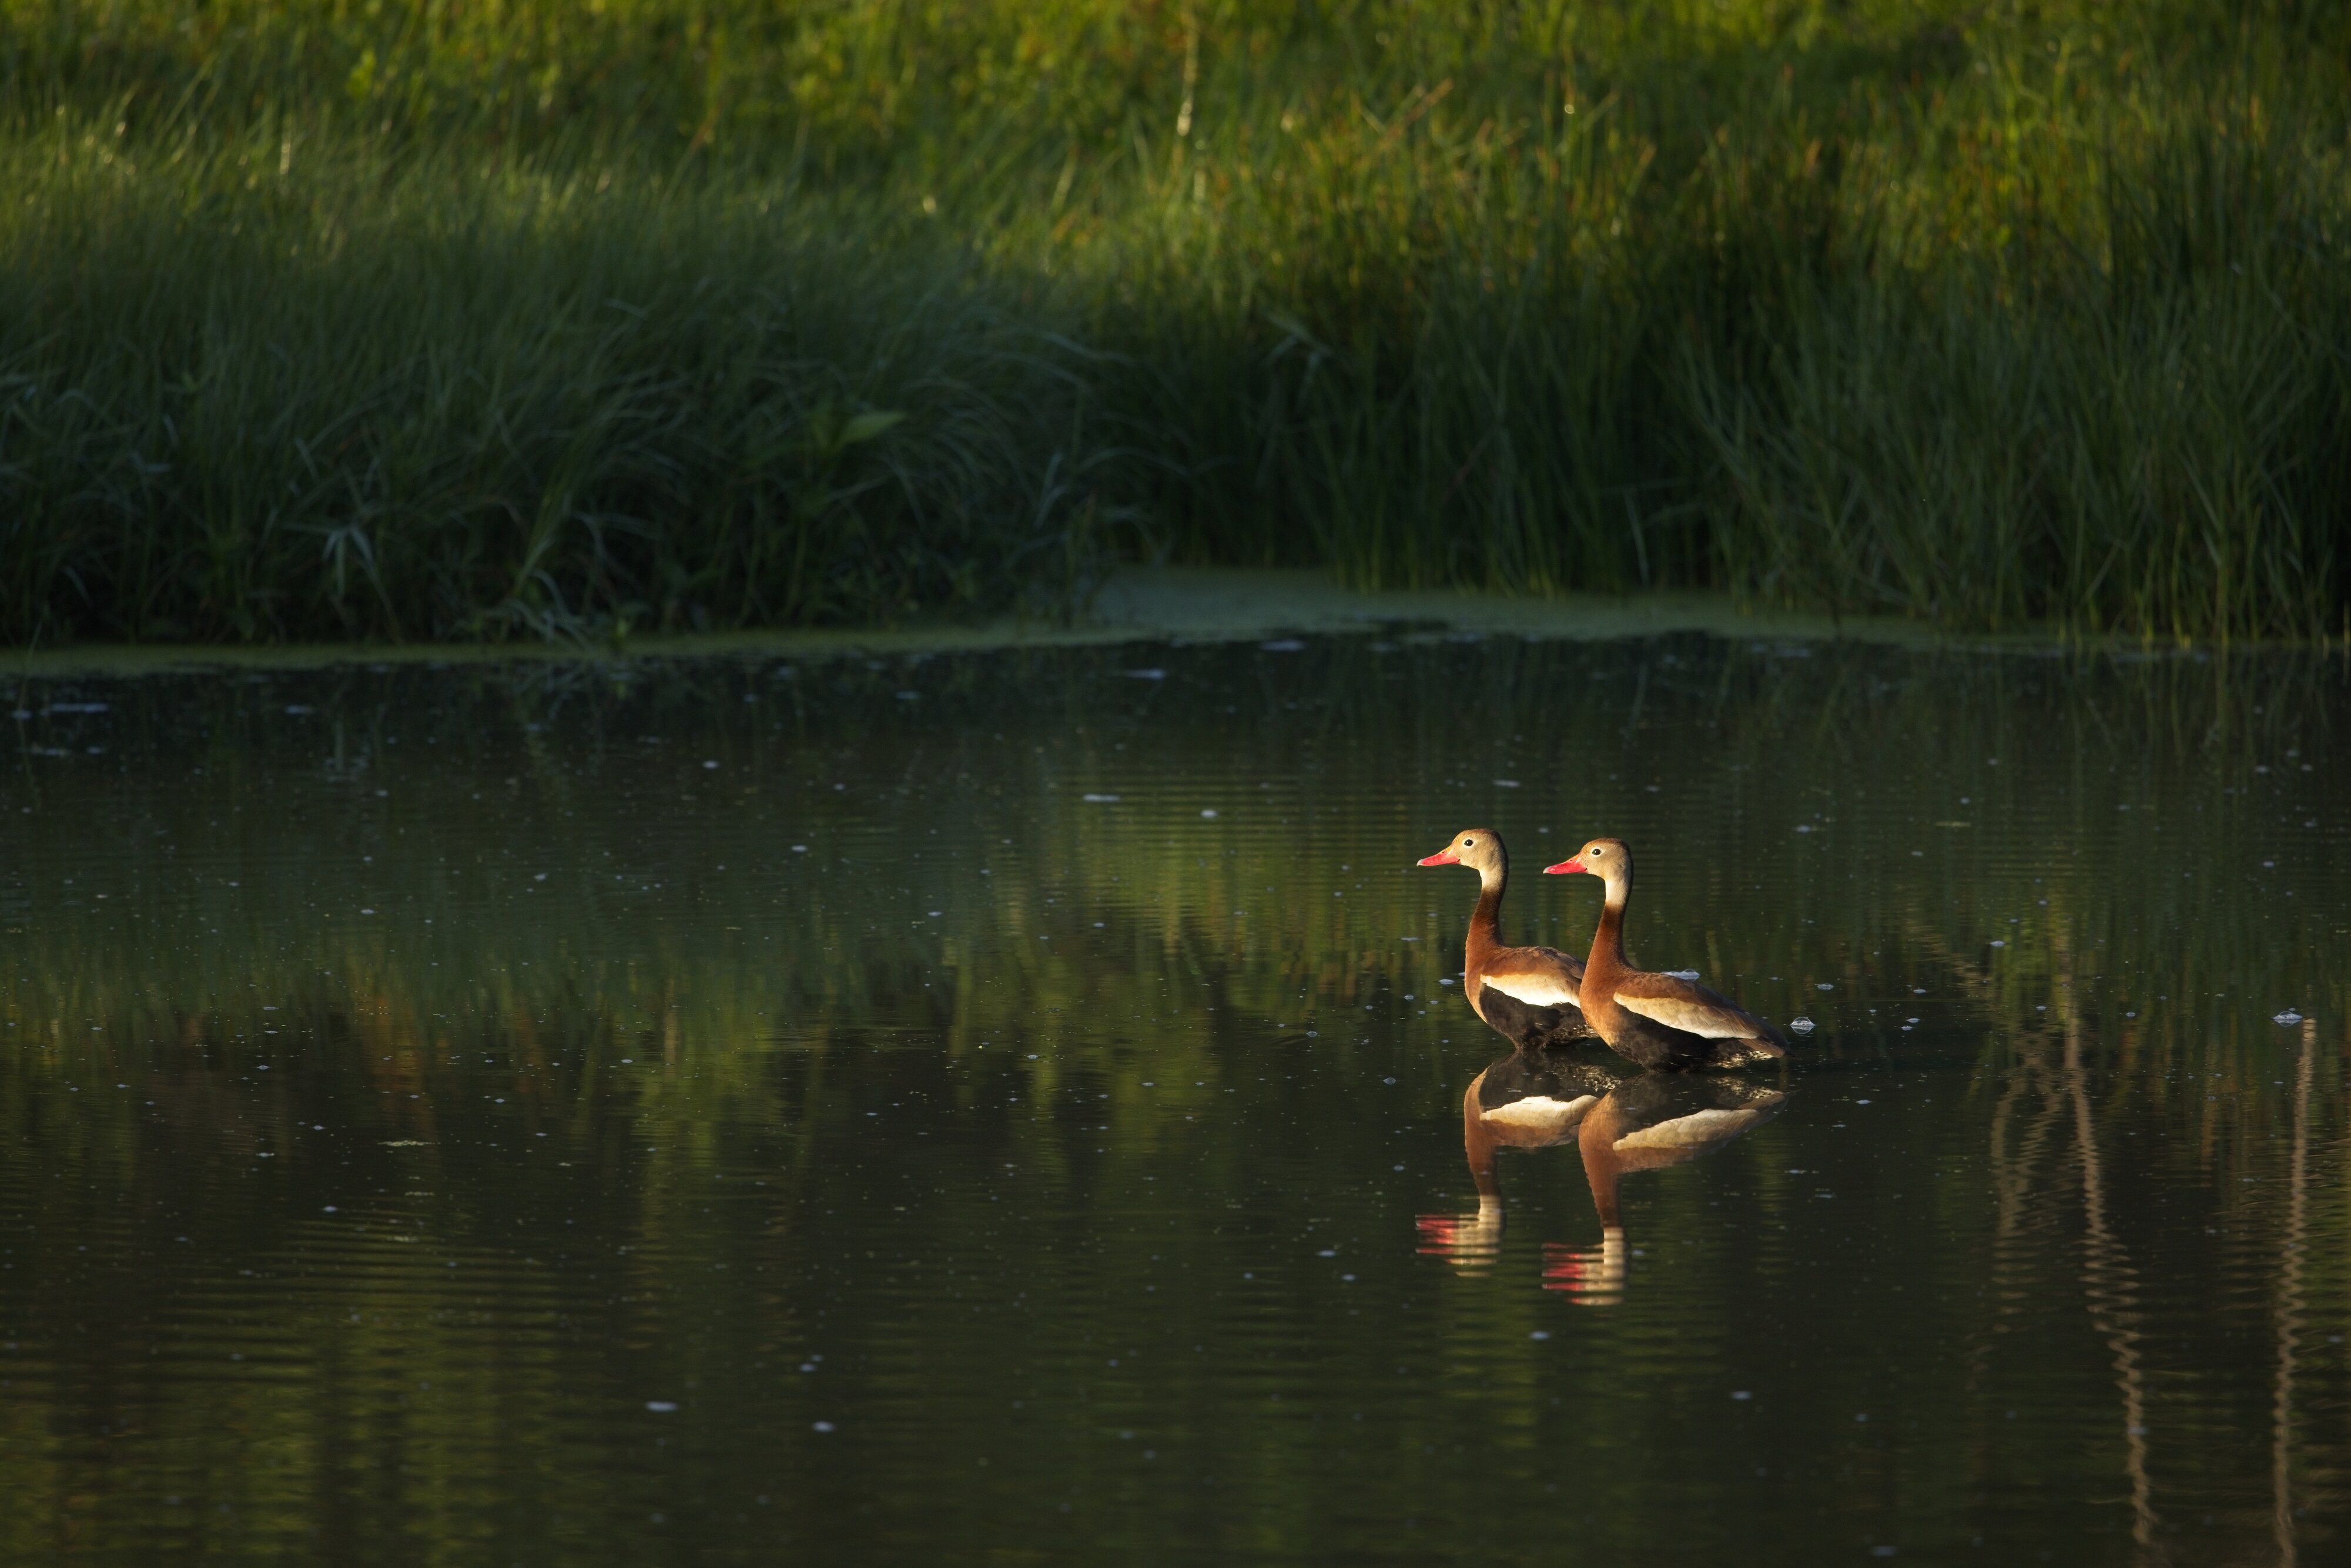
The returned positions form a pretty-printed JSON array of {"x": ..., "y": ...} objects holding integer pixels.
[
  {"x": 412, "y": 402},
  {"x": 407, "y": 322}
]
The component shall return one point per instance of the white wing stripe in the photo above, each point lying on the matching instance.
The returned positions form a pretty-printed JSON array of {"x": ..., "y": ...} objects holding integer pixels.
[
  {"x": 1535, "y": 991},
  {"x": 1694, "y": 1018}
]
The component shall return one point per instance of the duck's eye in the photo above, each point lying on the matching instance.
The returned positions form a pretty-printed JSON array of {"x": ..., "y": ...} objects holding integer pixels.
[{"x": 1469, "y": 843}]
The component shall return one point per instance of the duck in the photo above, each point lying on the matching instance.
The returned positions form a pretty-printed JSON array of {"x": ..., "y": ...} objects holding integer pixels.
[
  {"x": 1528, "y": 996},
  {"x": 1659, "y": 1021}
]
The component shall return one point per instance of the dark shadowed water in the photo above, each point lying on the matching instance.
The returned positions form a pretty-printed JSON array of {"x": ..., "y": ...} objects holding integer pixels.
[{"x": 1011, "y": 1109}]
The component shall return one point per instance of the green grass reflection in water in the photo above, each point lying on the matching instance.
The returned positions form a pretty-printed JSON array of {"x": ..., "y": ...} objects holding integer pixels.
[{"x": 473, "y": 1168}]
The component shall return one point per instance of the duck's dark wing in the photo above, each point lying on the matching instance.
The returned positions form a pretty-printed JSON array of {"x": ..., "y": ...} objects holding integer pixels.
[
  {"x": 1691, "y": 1009},
  {"x": 1668, "y": 1050},
  {"x": 1529, "y": 1026}
]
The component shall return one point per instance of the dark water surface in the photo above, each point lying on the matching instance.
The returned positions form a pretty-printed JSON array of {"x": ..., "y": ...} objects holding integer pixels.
[{"x": 1009, "y": 1109}]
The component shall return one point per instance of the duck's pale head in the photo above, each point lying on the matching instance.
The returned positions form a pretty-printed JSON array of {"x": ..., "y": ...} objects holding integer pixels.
[
  {"x": 1479, "y": 849},
  {"x": 1608, "y": 859}
]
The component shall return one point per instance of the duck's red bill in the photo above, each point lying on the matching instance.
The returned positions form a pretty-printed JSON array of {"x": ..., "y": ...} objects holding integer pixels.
[
  {"x": 1563, "y": 868},
  {"x": 1442, "y": 857}
]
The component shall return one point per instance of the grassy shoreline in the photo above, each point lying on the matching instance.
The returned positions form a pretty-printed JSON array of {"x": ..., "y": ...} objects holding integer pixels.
[
  {"x": 404, "y": 325},
  {"x": 1181, "y": 605}
]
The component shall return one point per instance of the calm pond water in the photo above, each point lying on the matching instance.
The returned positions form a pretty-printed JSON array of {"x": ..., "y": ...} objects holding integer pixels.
[{"x": 1010, "y": 1109}]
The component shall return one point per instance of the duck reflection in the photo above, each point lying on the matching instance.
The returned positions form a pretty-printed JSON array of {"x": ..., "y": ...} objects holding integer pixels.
[
  {"x": 1621, "y": 1122},
  {"x": 1528, "y": 1100}
]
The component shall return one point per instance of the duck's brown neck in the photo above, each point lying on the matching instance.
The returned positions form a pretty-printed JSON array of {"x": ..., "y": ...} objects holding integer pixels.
[
  {"x": 1608, "y": 959},
  {"x": 1485, "y": 920}
]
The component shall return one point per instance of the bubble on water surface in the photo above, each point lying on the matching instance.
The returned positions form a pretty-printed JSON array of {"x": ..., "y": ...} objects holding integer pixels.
[
  {"x": 660, "y": 1407},
  {"x": 2288, "y": 1016},
  {"x": 1801, "y": 1024}
]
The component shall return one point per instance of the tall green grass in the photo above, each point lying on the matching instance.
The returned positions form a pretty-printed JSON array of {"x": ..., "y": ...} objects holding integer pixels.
[
  {"x": 413, "y": 321},
  {"x": 319, "y": 395}
]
